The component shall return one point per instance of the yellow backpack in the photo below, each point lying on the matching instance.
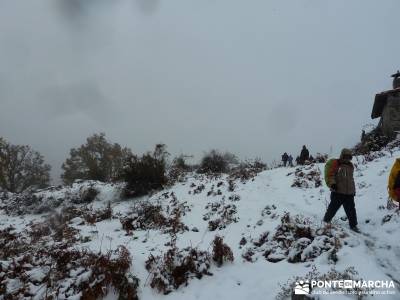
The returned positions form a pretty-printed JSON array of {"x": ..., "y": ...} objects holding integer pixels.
[{"x": 392, "y": 180}]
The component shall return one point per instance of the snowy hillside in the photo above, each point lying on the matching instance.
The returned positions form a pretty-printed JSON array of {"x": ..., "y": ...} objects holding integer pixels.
[{"x": 272, "y": 224}]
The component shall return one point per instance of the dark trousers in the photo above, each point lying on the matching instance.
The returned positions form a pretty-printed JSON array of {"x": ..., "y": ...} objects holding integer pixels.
[{"x": 337, "y": 200}]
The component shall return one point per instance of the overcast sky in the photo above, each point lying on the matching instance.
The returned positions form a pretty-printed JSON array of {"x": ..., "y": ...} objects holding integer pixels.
[{"x": 253, "y": 77}]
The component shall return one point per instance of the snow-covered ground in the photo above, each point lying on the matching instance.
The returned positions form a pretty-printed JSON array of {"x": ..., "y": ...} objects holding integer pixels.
[{"x": 257, "y": 207}]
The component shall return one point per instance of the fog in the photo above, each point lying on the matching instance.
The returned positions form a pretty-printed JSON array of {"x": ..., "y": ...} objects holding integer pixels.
[{"x": 256, "y": 78}]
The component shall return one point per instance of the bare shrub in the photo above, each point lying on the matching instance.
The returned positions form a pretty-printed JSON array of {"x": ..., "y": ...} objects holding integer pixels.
[
  {"x": 64, "y": 273},
  {"x": 371, "y": 142},
  {"x": 215, "y": 162},
  {"x": 88, "y": 195},
  {"x": 295, "y": 240},
  {"x": 176, "y": 268},
  {"x": 179, "y": 168},
  {"x": 145, "y": 216},
  {"x": 307, "y": 177},
  {"x": 10, "y": 244},
  {"x": 221, "y": 251},
  {"x": 224, "y": 214},
  {"x": 247, "y": 170}
]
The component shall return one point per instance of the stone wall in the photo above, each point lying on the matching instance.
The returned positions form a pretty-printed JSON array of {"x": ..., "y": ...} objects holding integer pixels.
[{"x": 391, "y": 116}]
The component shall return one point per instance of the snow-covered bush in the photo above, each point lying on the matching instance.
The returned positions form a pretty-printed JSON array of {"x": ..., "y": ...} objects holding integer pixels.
[
  {"x": 52, "y": 198},
  {"x": 221, "y": 251},
  {"x": 223, "y": 213},
  {"x": 145, "y": 215},
  {"x": 247, "y": 170},
  {"x": 307, "y": 177},
  {"x": 295, "y": 240},
  {"x": 176, "y": 267},
  {"x": 58, "y": 273},
  {"x": 371, "y": 142},
  {"x": 179, "y": 169},
  {"x": 215, "y": 162}
]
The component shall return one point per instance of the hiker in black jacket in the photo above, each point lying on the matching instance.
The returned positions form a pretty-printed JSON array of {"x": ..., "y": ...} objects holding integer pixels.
[
  {"x": 285, "y": 158},
  {"x": 304, "y": 155}
]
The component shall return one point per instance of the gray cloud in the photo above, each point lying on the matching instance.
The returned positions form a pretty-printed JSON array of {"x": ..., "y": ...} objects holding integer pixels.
[
  {"x": 256, "y": 79},
  {"x": 81, "y": 97},
  {"x": 147, "y": 6}
]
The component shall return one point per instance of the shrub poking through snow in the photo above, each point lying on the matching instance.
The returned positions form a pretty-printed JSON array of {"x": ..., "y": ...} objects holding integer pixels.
[
  {"x": 145, "y": 215},
  {"x": 179, "y": 169},
  {"x": 307, "y": 177},
  {"x": 247, "y": 170},
  {"x": 373, "y": 141},
  {"x": 56, "y": 273},
  {"x": 145, "y": 174},
  {"x": 176, "y": 267},
  {"x": 295, "y": 240},
  {"x": 221, "y": 252},
  {"x": 215, "y": 162},
  {"x": 87, "y": 195},
  {"x": 225, "y": 214},
  {"x": 11, "y": 244},
  {"x": 47, "y": 200}
]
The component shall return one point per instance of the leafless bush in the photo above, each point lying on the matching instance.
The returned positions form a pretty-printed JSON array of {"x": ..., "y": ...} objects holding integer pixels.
[
  {"x": 247, "y": 170},
  {"x": 215, "y": 162},
  {"x": 176, "y": 268},
  {"x": 63, "y": 273},
  {"x": 179, "y": 168},
  {"x": 225, "y": 214},
  {"x": 295, "y": 240},
  {"x": 146, "y": 216},
  {"x": 307, "y": 177},
  {"x": 221, "y": 251}
]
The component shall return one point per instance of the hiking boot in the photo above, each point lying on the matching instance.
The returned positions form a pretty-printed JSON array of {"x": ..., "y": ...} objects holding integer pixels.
[{"x": 355, "y": 229}]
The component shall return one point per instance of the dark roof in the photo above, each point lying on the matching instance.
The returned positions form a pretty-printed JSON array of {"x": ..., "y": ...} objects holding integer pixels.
[
  {"x": 395, "y": 75},
  {"x": 380, "y": 102}
]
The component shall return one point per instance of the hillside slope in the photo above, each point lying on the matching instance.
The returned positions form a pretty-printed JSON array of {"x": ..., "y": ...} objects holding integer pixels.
[{"x": 274, "y": 230}]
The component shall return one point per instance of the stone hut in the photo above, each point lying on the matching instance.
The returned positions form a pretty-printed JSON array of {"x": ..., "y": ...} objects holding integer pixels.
[{"x": 387, "y": 107}]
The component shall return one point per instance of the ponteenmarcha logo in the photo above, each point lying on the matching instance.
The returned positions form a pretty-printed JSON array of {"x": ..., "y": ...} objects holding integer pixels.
[{"x": 302, "y": 287}]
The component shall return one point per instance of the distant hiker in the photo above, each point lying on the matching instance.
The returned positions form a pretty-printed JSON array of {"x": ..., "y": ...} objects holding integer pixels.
[
  {"x": 363, "y": 136},
  {"x": 304, "y": 155},
  {"x": 285, "y": 158},
  {"x": 394, "y": 183},
  {"x": 298, "y": 162},
  {"x": 339, "y": 177},
  {"x": 290, "y": 160}
]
